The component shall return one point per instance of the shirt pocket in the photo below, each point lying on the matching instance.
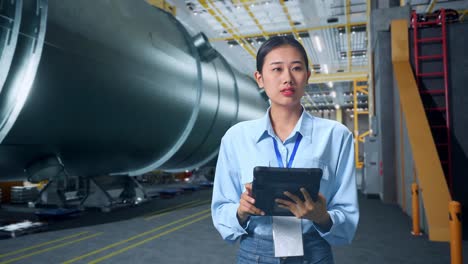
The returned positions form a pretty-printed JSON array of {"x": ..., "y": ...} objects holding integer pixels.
[
  {"x": 325, "y": 182},
  {"x": 314, "y": 163},
  {"x": 248, "y": 167}
]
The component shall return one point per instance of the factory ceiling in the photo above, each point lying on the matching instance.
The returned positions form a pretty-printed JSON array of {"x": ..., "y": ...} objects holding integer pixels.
[{"x": 334, "y": 33}]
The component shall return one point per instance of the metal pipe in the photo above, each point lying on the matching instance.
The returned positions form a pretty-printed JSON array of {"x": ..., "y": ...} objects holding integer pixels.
[
  {"x": 11, "y": 14},
  {"x": 123, "y": 93}
]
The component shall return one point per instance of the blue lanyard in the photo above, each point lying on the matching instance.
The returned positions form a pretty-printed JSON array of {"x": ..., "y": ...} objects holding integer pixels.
[{"x": 293, "y": 154}]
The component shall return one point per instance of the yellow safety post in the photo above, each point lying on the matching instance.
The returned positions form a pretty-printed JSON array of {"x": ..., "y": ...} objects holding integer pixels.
[
  {"x": 416, "y": 228},
  {"x": 455, "y": 232},
  {"x": 359, "y": 87}
]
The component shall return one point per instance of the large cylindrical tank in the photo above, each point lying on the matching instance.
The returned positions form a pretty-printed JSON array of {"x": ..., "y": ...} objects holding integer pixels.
[{"x": 117, "y": 87}]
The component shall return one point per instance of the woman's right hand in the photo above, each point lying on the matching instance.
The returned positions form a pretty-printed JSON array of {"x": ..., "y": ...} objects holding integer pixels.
[{"x": 246, "y": 205}]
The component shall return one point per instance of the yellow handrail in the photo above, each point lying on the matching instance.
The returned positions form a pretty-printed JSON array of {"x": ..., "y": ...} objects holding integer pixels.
[{"x": 434, "y": 189}]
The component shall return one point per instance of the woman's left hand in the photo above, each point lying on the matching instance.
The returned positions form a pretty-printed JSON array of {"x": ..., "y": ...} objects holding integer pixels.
[{"x": 307, "y": 208}]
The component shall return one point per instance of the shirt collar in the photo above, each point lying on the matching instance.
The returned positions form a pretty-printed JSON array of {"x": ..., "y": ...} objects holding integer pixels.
[{"x": 266, "y": 129}]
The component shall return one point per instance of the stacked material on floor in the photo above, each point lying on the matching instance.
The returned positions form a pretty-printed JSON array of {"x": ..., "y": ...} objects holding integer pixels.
[
  {"x": 152, "y": 193},
  {"x": 206, "y": 184},
  {"x": 23, "y": 194},
  {"x": 21, "y": 228},
  {"x": 170, "y": 192},
  {"x": 57, "y": 213},
  {"x": 190, "y": 188}
]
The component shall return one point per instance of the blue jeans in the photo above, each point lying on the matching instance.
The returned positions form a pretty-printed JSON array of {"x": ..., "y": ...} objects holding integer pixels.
[{"x": 260, "y": 250}]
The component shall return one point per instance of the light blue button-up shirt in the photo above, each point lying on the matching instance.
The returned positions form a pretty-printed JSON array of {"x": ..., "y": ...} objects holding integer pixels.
[{"x": 326, "y": 144}]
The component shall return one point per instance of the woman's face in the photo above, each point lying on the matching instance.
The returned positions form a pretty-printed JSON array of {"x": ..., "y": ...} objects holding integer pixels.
[{"x": 284, "y": 76}]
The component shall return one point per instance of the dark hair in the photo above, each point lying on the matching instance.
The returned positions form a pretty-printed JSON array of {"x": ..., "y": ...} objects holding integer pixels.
[{"x": 275, "y": 42}]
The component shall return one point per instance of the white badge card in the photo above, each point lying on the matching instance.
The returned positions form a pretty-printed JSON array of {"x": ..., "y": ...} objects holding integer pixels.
[{"x": 287, "y": 236}]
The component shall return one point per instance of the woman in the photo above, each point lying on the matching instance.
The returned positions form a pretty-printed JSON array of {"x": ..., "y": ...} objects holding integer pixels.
[{"x": 282, "y": 70}]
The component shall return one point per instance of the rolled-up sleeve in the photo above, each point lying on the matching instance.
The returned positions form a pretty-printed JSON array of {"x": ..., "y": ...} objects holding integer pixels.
[
  {"x": 227, "y": 190},
  {"x": 343, "y": 205}
]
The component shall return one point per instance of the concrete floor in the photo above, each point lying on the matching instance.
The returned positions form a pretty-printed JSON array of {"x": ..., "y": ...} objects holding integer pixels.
[{"x": 179, "y": 231}]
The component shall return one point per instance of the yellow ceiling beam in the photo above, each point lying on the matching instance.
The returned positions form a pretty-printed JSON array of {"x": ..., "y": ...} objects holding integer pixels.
[
  {"x": 163, "y": 5},
  {"x": 291, "y": 23},
  {"x": 218, "y": 15},
  {"x": 330, "y": 26},
  {"x": 282, "y": 32},
  {"x": 348, "y": 32},
  {"x": 362, "y": 90},
  {"x": 296, "y": 34},
  {"x": 463, "y": 14},
  {"x": 370, "y": 61},
  {"x": 337, "y": 77},
  {"x": 431, "y": 6},
  {"x": 247, "y": 8}
]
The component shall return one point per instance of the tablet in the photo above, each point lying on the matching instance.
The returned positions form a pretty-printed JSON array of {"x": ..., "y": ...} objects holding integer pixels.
[{"x": 269, "y": 183}]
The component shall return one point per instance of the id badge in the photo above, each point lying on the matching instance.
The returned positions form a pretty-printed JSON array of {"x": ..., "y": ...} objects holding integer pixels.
[{"x": 287, "y": 236}]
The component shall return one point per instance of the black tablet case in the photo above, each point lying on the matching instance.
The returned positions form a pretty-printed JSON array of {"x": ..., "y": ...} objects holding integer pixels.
[{"x": 269, "y": 183}]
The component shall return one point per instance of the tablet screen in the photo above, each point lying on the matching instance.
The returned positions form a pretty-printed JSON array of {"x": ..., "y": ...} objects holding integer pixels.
[{"x": 269, "y": 183}]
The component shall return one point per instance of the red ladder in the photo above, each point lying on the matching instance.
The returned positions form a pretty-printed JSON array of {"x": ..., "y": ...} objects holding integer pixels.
[{"x": 435, "y": 99}]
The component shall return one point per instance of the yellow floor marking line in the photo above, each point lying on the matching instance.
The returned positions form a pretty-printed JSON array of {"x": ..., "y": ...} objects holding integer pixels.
[
  {"x": 43, "y": 244},
  {"x": 169, "y": 209},
  {"x": 148, "y": 239},
  {"x": 192, "y": 204},
  {"x": 132, "y": 238},
  {"x": 51, "y": 248}
]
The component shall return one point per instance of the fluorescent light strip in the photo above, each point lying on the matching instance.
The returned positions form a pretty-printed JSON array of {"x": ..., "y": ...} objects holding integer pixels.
[
  {"x": 318, "y": 44},
  {"x": 325, "y": 68}
]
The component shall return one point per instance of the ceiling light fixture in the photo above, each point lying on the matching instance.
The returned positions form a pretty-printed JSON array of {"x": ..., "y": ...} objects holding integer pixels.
[
  {"x": 330, "y": 84},
  {"x": 333, "y": 94},
  {"x": 325, "y": 68},
  {"x": 318, "y": 43}
]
